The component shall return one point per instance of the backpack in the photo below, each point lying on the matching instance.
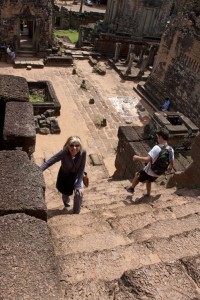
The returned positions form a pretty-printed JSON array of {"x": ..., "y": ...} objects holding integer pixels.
[{"x": 162, "y": 162}]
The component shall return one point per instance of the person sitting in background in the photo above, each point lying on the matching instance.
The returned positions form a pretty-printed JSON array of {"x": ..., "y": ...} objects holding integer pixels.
[
  {"x": 166, "y": 104},
  {"x": 10, "y": 52}
]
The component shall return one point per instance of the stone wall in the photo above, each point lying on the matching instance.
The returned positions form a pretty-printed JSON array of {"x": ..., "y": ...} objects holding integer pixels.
[
  {"x": 28, "y": 265},
  {"x": 176, "y": 71},
  {"x": 139, "y": 18},
  {"x": 29, "y": 268},
  {"x": 65, "y": 19},
  {"x": 17, "y": 128},
  {"x": 190, "y": 177}
]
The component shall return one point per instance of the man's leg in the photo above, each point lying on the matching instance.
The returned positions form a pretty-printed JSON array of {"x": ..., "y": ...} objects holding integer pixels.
[
  {"x": 148, "y": 187},
  {"x": 134, "y": 183}
]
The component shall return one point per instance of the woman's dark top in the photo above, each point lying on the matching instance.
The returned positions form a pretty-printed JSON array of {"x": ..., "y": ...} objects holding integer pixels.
[{"x": 69, "y": 165}]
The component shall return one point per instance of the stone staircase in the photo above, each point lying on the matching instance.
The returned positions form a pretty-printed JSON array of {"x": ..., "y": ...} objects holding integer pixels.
[{"x": 125, "y": 246}]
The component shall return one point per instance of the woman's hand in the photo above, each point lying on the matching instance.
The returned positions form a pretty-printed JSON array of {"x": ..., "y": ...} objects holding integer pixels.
[{"x": 80, "y": 191}]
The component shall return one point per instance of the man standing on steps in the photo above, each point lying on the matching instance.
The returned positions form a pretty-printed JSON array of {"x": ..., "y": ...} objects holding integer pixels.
[{"x": 147, "y": 174}]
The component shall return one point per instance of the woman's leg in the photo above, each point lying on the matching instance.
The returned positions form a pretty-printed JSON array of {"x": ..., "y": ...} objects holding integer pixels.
[
  {"x": 66, "y": 200},
  {"x": 78, "y": 199}
]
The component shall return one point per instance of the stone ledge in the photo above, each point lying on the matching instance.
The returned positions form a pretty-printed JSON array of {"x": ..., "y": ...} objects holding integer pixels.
[
  {"x": 27, "y": 260},
  {"x": 22, "y": 185},
  {"x": 19, "y": 127},
  {"x": 13, "y": 88}
]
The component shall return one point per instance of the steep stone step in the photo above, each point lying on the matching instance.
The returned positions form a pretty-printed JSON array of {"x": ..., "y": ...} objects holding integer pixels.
[
  {"x": 106, "y": 264},
  {"x": 177, "y": 246},
  {"x": 124, "y": 219},
  {"x": 158, "y": 281},
  {"x": 166, "y": 228},
  {"x": 90, "y": 242},
  {"x": 112, "y": 263},
  {"x": 129, "y": 223}
]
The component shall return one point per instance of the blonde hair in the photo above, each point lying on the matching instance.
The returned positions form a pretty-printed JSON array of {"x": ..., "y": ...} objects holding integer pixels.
[{"x": 71, "y": 140}]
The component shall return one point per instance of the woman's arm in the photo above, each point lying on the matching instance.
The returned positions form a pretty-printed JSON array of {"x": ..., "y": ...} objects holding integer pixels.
[{"x": 51, "y": 161}]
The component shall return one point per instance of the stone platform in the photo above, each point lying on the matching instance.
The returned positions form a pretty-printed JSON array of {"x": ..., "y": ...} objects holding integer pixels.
[{"x": 22, "y": 62}]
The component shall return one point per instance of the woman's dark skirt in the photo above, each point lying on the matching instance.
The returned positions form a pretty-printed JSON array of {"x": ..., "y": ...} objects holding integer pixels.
[{"x": 65, "y": 182}]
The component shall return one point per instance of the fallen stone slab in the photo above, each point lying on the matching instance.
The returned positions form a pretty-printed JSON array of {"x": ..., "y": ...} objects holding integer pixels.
[
  {"x": 19, "y": 127},
  {"x": 21, "y": 185},
  {"x": 27, "y": 261}
]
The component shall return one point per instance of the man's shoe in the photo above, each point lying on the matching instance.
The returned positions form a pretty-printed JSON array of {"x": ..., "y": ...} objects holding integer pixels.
[
  {"x": 66, "y": 204},
  {"x": 130, "y": 189}
]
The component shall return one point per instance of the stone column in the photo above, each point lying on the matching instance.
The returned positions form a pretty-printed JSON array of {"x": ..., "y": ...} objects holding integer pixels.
[
  {"x": 130, "y": 50},
  {"x": 130, "y": 63},
  {"x": 152, "y": 52},
  {"x": 143, "y": 66},
  {"x": 142, "y": 53},
  {"x": 117, "y": 51}
]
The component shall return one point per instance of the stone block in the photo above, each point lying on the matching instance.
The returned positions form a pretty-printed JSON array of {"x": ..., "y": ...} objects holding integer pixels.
[
  {"x": 13, "y": 88},
  {"x": 127, "y": 133},
  {"x": 192, "y": 265},
  {"x": 158, "y": 281},
  {"x": 21, "y": 186},
  {"x": 19, "y": 127},
  {"x": 28, "y": 265}
]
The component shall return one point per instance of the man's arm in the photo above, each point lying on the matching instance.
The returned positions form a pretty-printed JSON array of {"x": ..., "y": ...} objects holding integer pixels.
[
  {"x": 144, "y": 159},
  {"x": 171, "y": 164}
]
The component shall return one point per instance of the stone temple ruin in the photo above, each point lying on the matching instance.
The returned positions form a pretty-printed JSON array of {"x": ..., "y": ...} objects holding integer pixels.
[
  {"x": 176, "y": 71},
  {"x": 27, "y": 26},
  {"x": 23, "y": 210}
]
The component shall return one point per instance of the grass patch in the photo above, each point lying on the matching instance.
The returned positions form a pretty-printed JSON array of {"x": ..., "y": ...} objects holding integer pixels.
[
  {"x": 71, "y": 34},
  {"x": 36, "y": 98}
]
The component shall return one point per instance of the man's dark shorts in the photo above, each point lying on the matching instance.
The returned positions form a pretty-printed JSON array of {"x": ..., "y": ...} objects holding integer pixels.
[{"x": 143, "y": 176}]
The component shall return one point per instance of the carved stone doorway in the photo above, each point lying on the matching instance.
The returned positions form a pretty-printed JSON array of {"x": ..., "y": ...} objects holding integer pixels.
[{"x": 27, "y": 34}]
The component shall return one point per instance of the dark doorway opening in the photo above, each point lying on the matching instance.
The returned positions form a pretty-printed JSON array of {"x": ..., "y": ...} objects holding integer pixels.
[{"x": 26, "y": 33}]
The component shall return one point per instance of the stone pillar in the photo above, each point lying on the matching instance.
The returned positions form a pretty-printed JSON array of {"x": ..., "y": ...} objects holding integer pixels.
[
  {"x": 117, "y": 51},
  {"x": 130, "y": 50},
  {"x": 141, "y": 54},
  {"x": 143, "y": 66},
  {"x": 130, "y": 63},
  {"x": 152, "y": 52}
]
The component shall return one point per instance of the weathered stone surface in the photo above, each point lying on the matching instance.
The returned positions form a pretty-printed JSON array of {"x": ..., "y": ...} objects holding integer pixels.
[
  {"x": 13, "y": 88},
  {"x": 19, "y": 128},
  {"x": 189, "y": 177},
  {"x": 192, "y": 265},
  {"x": 21, "y": 185},
  {"x": 27, "y": 262},
  {"x": 96, "y": 159},
  {"x": 159, "y": 282}
]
